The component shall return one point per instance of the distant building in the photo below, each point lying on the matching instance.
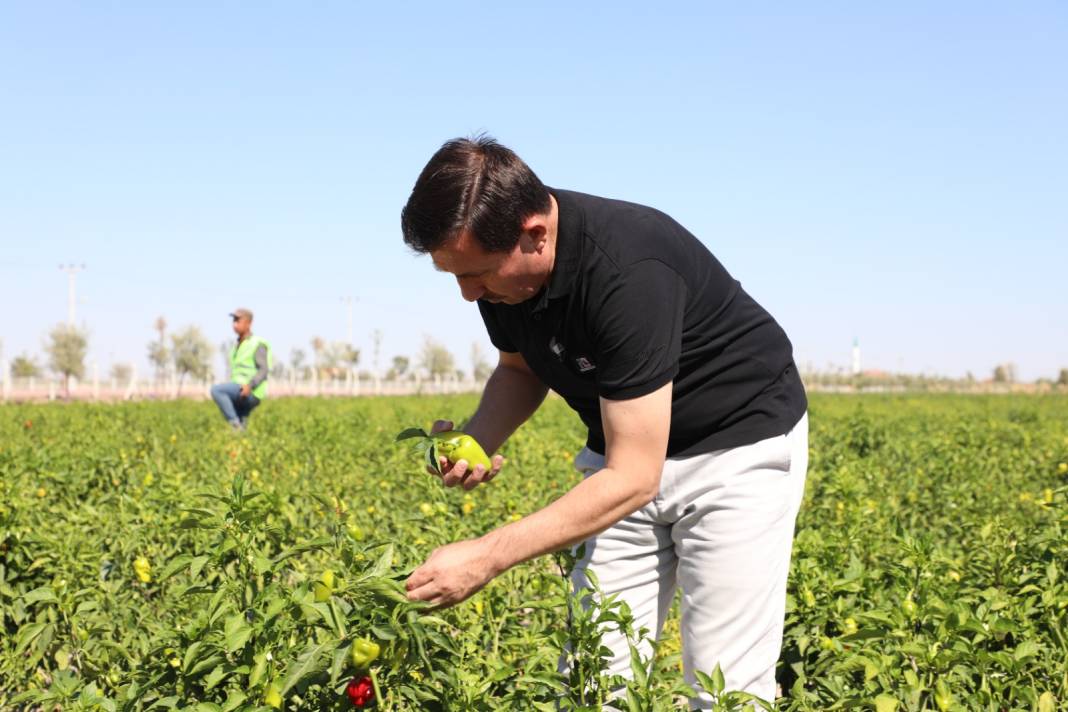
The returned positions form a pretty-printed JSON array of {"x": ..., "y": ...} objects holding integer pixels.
[{"x": 856, "y": 357}]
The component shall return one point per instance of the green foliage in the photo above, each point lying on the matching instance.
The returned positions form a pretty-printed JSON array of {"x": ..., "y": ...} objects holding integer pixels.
[
  {"x": 436, "y": 359},
  {"x": 25, "y": 366},
  {"x": 191, "y": 353},
  {"x": 927, "y": 572},
  {"x": 66, "y": 347}
]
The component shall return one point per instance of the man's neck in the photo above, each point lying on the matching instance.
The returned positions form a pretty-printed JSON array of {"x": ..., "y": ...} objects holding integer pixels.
[{"x": 553, "y": 231}]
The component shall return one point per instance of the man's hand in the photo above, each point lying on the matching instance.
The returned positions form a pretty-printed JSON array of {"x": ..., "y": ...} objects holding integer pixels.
[
  {"x": 245, "y": 390},
  {"x": 453, "y": 573},
  {"x": 457, "y": 472}
]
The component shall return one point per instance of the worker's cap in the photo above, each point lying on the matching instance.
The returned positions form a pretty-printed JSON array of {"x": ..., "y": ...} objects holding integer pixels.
[{"x": 239, "y": 313}]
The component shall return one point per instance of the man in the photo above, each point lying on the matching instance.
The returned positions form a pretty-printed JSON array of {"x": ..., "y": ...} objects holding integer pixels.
[
  {"x": 250, "y": 360},
  {"x": 696, "y": 453}
]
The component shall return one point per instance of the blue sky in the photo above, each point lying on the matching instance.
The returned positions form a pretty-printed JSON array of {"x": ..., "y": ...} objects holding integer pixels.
[{"x": 895, "y": 172}]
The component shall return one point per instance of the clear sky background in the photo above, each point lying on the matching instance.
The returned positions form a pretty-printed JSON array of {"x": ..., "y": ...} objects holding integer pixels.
[{"x": 894, "y": 172}]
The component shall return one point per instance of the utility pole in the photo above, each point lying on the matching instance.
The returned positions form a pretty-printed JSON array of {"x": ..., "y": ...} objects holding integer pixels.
[
  {"x": 348, "y": 301},
  {"x": 376, "y": 338},
  {"x": 72, "y": 270}
]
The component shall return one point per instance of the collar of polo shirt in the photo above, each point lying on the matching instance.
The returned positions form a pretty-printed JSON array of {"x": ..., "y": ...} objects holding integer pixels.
[{"x": 570, "y": 225}]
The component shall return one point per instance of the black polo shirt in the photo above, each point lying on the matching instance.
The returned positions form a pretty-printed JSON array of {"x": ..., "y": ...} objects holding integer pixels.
[{"x": 635, "y": 301}]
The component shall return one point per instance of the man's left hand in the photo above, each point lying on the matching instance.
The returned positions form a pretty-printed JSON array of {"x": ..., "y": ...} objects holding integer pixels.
[
  {"x": 453, "y": 573},
  {"x": 245, "y": 390}
]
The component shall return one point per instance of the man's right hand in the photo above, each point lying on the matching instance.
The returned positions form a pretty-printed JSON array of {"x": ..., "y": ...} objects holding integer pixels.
[{"x": 454, "y": 473}]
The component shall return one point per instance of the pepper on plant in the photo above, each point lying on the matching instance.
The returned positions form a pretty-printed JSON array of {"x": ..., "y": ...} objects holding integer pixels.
[
  {"x": 361, "y": 691},
  {"x": 364, "y": 652}
]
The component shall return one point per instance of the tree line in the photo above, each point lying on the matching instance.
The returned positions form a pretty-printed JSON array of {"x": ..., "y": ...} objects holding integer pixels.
[{"x": 187, "y": 354}]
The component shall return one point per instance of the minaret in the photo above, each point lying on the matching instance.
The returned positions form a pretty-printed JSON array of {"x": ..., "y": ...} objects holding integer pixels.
[{"x": 856, "y": 356}]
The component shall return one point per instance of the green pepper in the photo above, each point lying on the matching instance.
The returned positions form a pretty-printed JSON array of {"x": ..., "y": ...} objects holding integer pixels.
[
  {"x": 273, "y": 696},
  {"x": 324, "y": 588},
  {"x": 364, "y": 652},
  {"x": 453, "y": 445}
]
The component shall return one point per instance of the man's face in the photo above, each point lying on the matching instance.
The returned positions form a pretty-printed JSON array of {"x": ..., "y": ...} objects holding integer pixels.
[
  {"x": 498, "y": 277},
  {"x": 241, "y": 325}
]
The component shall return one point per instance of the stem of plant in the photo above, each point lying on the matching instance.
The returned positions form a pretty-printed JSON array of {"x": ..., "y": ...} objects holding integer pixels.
[{"x": 374, "y": 684}]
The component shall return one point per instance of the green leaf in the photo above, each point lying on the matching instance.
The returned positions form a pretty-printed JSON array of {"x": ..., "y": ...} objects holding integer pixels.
[
  {"x": 197, "y": 564},
  {"x": 636, "y": 667},
  {"x": 337, "y": 666},
  {"x": 27, "y": 635},
  {"x": 236, "y": 632},
  {"x": 717, "y": 679},
  {"x": 261, "y": 564},
  {"x": 43, "y": 594},
  {"x": 410, "y": 433},
  {"x": 204, "y": 664},
  {"x": 308, "y": 663},
  {"x": 214, "y": 677},
  {"x": 885, "y": 703},
  {"x": 191, "y": 654},
  {"x": 258, "y": 670},
  {"x": 384, "y": 563},
  {"x": 703, "y": 679},
  {"x": 174, "y": 566},
  {"x": 234, "y": 700},
  {"x": 1026, "y": 649}
]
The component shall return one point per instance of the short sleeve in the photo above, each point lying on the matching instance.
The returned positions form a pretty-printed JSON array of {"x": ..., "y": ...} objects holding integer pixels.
[
  {"x": 498, "y": 338},
  {"x": 638, "y": 331}
]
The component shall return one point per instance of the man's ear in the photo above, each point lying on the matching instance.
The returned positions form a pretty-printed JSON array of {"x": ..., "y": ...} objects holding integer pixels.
[{"x": 535, "y": 233}]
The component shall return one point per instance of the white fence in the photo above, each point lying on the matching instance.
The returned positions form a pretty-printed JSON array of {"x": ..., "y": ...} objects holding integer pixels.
[{"x": 97, "y": 389}]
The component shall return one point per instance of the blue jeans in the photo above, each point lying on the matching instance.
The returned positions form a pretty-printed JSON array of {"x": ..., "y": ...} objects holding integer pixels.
[{"x": 234, "y": 407}]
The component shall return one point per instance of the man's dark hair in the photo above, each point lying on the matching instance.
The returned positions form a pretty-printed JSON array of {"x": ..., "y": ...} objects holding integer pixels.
[{"x": 472, "y": 184}]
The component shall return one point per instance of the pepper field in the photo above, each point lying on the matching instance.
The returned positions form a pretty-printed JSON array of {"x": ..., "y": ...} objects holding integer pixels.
[{"x": 149, "y": 559}]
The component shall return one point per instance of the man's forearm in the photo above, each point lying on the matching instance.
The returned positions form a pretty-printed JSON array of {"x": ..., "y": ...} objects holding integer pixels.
[
  {"x": 260, "y": 359},
  {"x": 589, "y": 508},
  {"x": 509, "y": 398}
]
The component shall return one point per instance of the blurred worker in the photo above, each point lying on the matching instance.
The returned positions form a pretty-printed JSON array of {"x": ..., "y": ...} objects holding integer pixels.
[{"x": 250, "y": 361}]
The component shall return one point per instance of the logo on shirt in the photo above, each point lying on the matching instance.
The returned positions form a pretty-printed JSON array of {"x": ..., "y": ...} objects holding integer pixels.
[
  {"x": 584, "y": 365},
  {"x": 557, "y": 348}
]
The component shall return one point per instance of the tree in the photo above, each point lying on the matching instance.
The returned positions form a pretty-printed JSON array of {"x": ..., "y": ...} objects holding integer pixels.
[
  {"x": 480, "y": 368},
  {"x": 66, "y": 349},
  {"x": 436, "y": 359},
  {"x": 225, "y": 349},
  {"x": 400, "y": 367},
  {"x": 191, "y": 354},
  {"x": 1005, "y": 373},
  {"x": 1062, "y": 377},
  {"x": 121, "y": 372},
  {"x": 158, "y": 354},
  {"x": 318, "y": 345},
  {"x": 334, "y": 359},
  {"x": 296, "y": 360},
  {"x": 348, "y": 355},
  {"x": 25, "y": 366}
]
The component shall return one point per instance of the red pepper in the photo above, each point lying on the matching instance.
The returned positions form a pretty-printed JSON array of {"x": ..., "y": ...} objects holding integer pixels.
[{"x": 361, "y": 691}]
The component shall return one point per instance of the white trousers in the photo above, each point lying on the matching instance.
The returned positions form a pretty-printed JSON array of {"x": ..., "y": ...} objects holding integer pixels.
[{"x": 722, "y": 528}]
